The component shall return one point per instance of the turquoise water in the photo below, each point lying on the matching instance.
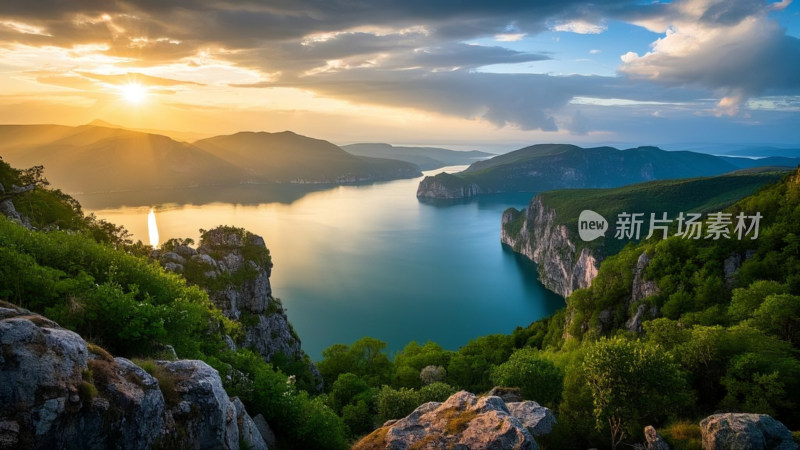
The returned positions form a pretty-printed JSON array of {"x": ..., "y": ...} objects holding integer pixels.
[{"x": 372, "y": 260}]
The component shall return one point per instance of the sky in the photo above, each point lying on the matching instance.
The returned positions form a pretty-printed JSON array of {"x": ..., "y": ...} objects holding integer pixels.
[{"x": 493, "y": 75}]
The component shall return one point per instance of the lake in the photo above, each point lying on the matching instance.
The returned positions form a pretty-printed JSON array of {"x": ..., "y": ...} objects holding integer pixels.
[{"x": 372, "y": 260}]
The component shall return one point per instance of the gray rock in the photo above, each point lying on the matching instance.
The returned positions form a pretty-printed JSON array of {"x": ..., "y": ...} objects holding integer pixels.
[
  {"x": 172, "y": 257},
  {"x": 185, "y": 251},
  {"x": 211, "y": 419},
  {"x": 463, "y": 421},
  {"x": 204, "y": 260},
  {"x": 635, "y": 322},
  {"x": 173, "y": 267},
  {"x": 733, "y": 431},
  {"x": 49, "y": 399},
  {"x": 641, "y": 288},
  {"x": 249, "y": 433},
  {"x": 56, "y": 393},
  {"x": 730, "y": 266},
  {"x": 266, "y": 328},
  {"x": 654, "y": 440},
  {"x": 265, "y": 430},
  {"x": 536, "y": 418}
]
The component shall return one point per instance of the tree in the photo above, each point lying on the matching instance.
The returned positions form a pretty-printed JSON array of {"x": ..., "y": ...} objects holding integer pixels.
[
  {"x": 538, "y": 378},
  {"x": 432, "y": 374},
  {"x": 365, "y": 358},
  {"x": 631, "y": 381},
  {"x": 779, "y": 315},
  {"x": 746, "y": 300}
]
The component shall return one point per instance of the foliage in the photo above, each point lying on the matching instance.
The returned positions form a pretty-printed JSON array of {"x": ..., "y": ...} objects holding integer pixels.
[
  {"x": 538, "y": 378},
  {"x": 632, "y": 382}
]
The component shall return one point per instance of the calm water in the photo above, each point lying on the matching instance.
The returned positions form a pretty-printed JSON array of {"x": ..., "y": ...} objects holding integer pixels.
[{"x": 373, "y": 261}]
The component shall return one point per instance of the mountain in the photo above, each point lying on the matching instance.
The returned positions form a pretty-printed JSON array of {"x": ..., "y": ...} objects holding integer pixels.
[
  {"x": 101, "y": 159},
  {"x": 426, "y": 158},
  {"x": 290, "y": 157},
  {"x": 765, "y": 152},
  {"x": 88, "y": 158},
  {"x": 557, "y": 166},
  {"x": 547, "y": 231},
  {"x": 184, "y": 136}
]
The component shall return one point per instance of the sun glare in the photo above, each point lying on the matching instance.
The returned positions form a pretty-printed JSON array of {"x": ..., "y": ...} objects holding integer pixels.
[
  {"x": 133, "y": 92},
  {"x": 152, "y": 228}
]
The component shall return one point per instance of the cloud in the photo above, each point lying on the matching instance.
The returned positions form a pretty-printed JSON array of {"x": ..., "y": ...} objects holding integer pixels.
[
  {"x": 579, "y": 27},
  {"x": 731, "y": 47},
  {"x": 131, "y": 77}
]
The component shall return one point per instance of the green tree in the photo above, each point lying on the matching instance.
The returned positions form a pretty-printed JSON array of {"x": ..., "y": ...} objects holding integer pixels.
[
  {"x": 745, "y": 301},
  {"x": 538, "y": 378},
  {"x": 631, "y": 382},
  {"x": 779, "y": 315}
]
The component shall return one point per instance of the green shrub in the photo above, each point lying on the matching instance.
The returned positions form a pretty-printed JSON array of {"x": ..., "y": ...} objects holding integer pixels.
[{"x": 537, "y": 378}]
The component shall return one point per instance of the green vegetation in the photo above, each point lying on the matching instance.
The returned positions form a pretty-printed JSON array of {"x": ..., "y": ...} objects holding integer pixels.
[
  {"x": 699, "y": 195},
  {"x": 545, "y": 167},
  {"x": 87, "y": 276}
]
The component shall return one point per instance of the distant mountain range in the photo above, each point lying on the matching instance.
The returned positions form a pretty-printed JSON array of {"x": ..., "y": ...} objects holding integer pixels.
[
  {"x": 765, "y": 152},
  {"x": 546, "y": 167},
  {"x": 426, "y": 158},
  {"x": 100, "y": 159}
]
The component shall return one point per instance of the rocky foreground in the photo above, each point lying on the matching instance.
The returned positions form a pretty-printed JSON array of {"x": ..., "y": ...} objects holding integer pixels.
[{"x": 57, "y": 391}]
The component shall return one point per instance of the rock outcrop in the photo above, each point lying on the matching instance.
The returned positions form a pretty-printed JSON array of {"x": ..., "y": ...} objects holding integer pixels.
[
  {"x": 445, "y": 186},
  {"x": 653, "y": 440},
  {"x": 732, "y": 431},
  {"x": 234, "y": 267},
  {"x": 464, "y": 421},
  {"x": 536, "y": 233},
  {"x": 57, "y": 391}
]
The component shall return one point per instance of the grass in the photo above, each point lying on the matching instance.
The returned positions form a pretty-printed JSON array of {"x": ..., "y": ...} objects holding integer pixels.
[
  {"x": 166, "y": 382},
  {"x": 683, "y": 435}
]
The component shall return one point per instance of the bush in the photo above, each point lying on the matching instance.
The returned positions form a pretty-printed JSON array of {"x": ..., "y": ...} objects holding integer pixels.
[
  {"x": 435, "y": 392},
  {"x": 396, "y": 403},
  {"x": 432, "y": 374},
  {"x": 538, "y": 378}
]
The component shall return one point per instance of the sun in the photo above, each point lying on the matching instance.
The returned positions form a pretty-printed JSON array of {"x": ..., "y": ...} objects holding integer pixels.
[{"x": 133, "y": 92}]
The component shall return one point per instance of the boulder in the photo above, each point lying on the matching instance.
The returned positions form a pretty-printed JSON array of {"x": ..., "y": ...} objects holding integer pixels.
[
  {"x": 265, "y": 430},
  {"x": 249, "y": 434},
  {"x": 464, "y": 421},
  {"x": 57, "y": 391},
  {"x": 536, "y": 418},
  {"x": 199, "y": 406},
  {"x": 739, "y": 431},
  {"x": 654, "y": 440}
]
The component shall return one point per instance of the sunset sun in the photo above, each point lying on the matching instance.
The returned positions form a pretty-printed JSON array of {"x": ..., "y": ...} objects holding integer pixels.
[{"x": 133, "y": 92}]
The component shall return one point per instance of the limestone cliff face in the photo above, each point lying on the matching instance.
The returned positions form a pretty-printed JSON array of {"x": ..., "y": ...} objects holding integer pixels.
[
  {"x": 57, "y": 391},
  {"x": 536, "y": 233},
  {"x": 447, "y": 187},
  {"x": 234, "y": 267}
]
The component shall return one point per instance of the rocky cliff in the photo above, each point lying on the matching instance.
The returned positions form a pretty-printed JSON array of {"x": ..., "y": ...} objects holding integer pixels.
[
  {"x": 536, "y": 233},
  {"x": 57, "y": 391},
  {"x": 234, "y": 266},
  {"x": 447, "y": 187}
]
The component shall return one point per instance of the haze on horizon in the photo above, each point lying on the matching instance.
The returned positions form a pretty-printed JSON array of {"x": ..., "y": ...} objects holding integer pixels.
[{"x": 491, "y": 75}]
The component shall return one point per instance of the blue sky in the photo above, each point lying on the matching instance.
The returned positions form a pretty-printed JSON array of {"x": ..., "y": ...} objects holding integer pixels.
[{"x": 453, "y": 73}]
